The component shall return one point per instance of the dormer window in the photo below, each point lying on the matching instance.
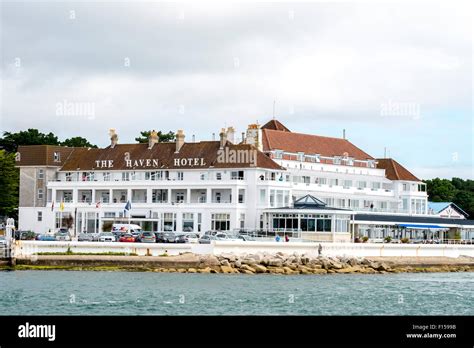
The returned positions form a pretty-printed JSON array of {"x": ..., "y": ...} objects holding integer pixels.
[
  {"x": 371, "y": 163},
  {"x": 301, "y": 156},
  {"x": 278, "y": 154},
  {"x": 57, "y": 157},
  {"x": 336, "y": 160}
]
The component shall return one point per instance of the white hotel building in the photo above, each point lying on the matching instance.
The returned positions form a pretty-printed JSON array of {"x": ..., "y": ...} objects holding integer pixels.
[{"x": 273, "y": 180}]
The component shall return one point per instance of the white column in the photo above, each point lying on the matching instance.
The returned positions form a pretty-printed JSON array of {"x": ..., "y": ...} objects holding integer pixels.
[
  {"x": 333, "y": 228},
  {"x": 148, "y": 195},
  {"x": 188, "y": 196},
  {"x": 208, "y": 195}
]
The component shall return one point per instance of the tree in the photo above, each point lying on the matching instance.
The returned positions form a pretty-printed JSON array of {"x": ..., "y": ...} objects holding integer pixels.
[
  {"x": 440, "y": 190},
  {"x": 465, "y": 200},
  {"x": 11, "y": 141},
  {"x": 9, "y": 182},
  {"x": 163, "y": 137},
  {"x": 77, "y": 142}
]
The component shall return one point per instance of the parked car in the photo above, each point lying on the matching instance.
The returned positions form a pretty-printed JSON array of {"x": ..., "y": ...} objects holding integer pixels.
[
  {"x": 63, "y": 235},
  {"x": 85, "y": 237},
  {"x": 206, "y": 239},
  {"x": 126, "y": 228},
  {"x": 165, "y": 237},
  {"x": 127, "y": 238},
  {"x": 3, "y": 241},
  {"x": 147, "y": 237},
  {"x": 46, "y": 237},
  {"x": 182, "y": 238},
  {"x": 246, "y": 238},
  {"x": 106, "y": 237},
  {"x": 221, "y": 236},
  {"x": 193, "y": 237}
]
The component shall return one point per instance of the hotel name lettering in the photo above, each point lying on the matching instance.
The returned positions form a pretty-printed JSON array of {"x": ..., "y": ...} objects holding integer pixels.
[{"x": 153, "y": 163}]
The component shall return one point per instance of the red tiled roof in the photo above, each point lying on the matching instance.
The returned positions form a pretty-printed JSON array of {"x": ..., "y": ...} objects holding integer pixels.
[
  {"x": 394, "y": 170},
  {"x": 310, "y": 144},
  {"x": 275, "y": 125},
  {"x": 43, "y": 155},
  {"x": 164, "y": 153}
]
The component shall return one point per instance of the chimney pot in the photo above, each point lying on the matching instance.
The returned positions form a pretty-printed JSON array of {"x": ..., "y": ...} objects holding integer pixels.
[
  {"x": 113, "y": 137},
  {"x": 179, "y": 139}
]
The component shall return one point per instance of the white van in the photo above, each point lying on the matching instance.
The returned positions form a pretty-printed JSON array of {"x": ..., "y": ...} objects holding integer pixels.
[{"x": 130, "y": 228}]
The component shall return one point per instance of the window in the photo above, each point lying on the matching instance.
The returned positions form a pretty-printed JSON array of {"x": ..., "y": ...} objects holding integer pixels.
[
  {"x": 40, "y": 174},
  {"x": 333, "y": 182},
  {"x": 241, "y": 195},
  {"x": 39, "y": 217},
  {"x": 179, "y": 197},
  {"x": 371, "y": 163},
  {"x": 242, "y": 221},
  {"x": 237, "y": 175},
  {"x": 347, "y": 183},
  {"x": 218, "y": 176},
  {"x": 321, "y": 181},
  {"x": 375, "y": 186},
  {"x": 406, "y": 187},
  {"x": 57, "y": 157},
  {"x": 203, "y": 176},
  {"x": 106, "y": 176},
  {"x": 40, "y": 193},
  {"x": 69, "y": 176},
  {"x": 278, "y": 154},
  {"x": 421, "y": 187},
  {"x": 220, "y": 222},
  {"x": 263, "y": 196},
  {"x": 109, "y": 214},
  {"x": 301, "y": 156},
  {"x": 152, "y": 176},
  {"x": 188, "y": 222},
  {"x": 336, "y": 160},
  {"x": 180, "y": 176},
  {"x": 361, "y": 185},
  {"x": 125, "y": 176},
  {"x": 169, "y": 222}
]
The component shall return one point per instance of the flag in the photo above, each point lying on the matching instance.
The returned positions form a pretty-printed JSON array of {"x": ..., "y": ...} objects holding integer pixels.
[
  {"x": 128, "y": 206},
  {"x": 61, "y": 206},
  {"x": 52, "y": 206},
  {"x": 97, "y": 205}
]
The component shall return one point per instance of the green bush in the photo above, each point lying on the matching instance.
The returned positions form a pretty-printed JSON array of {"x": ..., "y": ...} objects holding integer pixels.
[
  {"x": 107, "y": 226},
  {"x": 405, "y": 240},
  {"x": 388, "y": 239},
  {"x": 365, "y": 239}
]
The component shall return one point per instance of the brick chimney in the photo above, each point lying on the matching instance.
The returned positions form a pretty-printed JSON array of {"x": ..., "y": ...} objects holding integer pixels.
[
  {"x": 254, "y": 136},
  {"x": 223, "y": 137},
  {"x": 179, "y": 140},
  {"x": 153, "y": 139},
  {"x": 113, "y": 137},
  {"x": 231, "y": 134}
]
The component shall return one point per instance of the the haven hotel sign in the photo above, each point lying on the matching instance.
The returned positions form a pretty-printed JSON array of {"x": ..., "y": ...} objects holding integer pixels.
[{"x": 152, "y": 163}]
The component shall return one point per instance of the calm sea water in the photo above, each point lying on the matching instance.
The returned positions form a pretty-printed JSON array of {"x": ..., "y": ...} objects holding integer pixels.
[{"x": 131, "y": 293}]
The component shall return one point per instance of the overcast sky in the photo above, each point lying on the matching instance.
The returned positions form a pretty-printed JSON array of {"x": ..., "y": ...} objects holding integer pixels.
[{"x": 394, "y": 75}]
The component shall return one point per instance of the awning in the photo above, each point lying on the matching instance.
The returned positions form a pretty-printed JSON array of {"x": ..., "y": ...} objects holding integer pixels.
[{"x": 421, "y": 227}]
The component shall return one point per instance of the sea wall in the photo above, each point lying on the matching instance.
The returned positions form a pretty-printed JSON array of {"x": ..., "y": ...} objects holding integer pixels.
[{"x": 27, "y": 248}]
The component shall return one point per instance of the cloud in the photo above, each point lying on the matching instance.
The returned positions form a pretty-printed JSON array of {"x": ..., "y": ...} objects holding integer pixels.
[{"x": 179, "y": 65}]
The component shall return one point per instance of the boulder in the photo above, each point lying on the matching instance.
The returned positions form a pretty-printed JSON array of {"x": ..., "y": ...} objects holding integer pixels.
[
  {"x": 275, "y": 263},
  {"x": 229, "y": 257},
  {"x": 244, "y": 271},
  {"x": 237, "y": 263},
  {"x": 249, "y": 261},
  {"x": 181, "y": 270},
  {"x": 204, "y": 270},
  {"x": 335, "y": 264},
  {"x": 383, "y": 267},
  {"x": 192, "y": 270},
  {"x": 226, "y": 269},
  {"x": 171, "y": 270},
  {"x": 276, "y": 270},
  {"x": 345, "y": 270},
  {"x": 247, "y": 268},
  {"x": 225, "y": 262},
  {"x": 319, "y": 271},
  {"x": 209, "y": 260},
  {"x": 260, "y": 268}
]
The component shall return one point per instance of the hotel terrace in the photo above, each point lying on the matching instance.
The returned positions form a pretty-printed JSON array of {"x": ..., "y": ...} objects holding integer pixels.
[{"x": 271, "y": 181}]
